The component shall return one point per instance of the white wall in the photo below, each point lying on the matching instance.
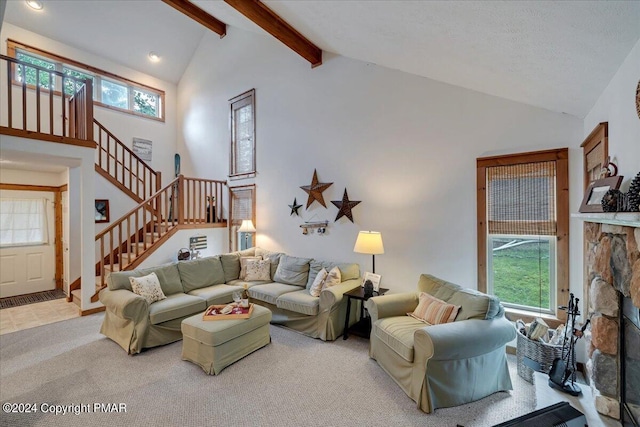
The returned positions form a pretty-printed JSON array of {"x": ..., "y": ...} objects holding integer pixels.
[
  {"x": 404, "y": 145},
  {"x": 617, "y": 106},
  {"x": 18, "y": 176}
]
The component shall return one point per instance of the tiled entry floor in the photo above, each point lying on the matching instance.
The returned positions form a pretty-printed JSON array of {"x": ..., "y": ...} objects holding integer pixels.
[{"x": 42, "y": 313}]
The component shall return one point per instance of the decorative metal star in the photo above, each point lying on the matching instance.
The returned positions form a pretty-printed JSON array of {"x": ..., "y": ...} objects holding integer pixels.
[
  {"x": 345, "y": 206},
  {"x": 294, "y": 207},
  {"x": 315, "y": 190}
]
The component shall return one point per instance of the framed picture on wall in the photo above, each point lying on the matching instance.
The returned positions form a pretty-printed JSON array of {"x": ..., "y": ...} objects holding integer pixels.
[{"x": 102, "y": 210}]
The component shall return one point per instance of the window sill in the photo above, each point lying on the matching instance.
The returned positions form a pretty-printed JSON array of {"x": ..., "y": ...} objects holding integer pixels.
[{"x": 527, "y": 316}]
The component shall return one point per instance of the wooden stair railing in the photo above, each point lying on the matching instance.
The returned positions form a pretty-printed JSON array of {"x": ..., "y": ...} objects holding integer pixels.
[
  {"x": 41, "y": 109},
  {"x": 155, "y": 211},
  {"x": 202, "y": 201},
  {"x": 120, "y": 165},
  {"x": 183, "y": 203}
]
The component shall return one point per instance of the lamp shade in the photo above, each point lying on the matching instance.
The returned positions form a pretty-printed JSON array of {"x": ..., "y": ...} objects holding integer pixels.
[
  {"x": 247, "y": 226},
  {"x": 369, "y": 242}
]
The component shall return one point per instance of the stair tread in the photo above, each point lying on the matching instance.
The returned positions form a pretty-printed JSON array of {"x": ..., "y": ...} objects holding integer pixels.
[{"x": 108, "y": 268}]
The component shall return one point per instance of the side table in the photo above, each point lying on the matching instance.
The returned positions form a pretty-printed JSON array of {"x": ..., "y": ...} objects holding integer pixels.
[{"x": 363, "y": 327}]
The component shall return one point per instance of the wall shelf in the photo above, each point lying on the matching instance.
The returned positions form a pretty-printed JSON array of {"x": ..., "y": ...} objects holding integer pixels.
[{"x": 627, "y": 219}]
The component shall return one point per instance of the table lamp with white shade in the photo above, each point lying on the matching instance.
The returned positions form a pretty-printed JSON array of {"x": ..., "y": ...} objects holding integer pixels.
[
  {"x": 246, "y": 227},
  {"x": 369, "y": 242}
]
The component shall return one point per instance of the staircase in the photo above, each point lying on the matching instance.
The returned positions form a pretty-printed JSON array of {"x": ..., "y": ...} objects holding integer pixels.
[
  {"x": 182, "y": 203},
  {"x": 122, "y": 167},
  {"x": 38, "y": 113}
]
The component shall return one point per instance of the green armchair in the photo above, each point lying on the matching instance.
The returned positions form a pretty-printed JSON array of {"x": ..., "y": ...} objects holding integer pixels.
[{"x": 443, "y": 365}]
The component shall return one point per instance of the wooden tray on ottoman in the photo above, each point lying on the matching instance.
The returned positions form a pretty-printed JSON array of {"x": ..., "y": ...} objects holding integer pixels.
[{"x": 213, "y": 313}]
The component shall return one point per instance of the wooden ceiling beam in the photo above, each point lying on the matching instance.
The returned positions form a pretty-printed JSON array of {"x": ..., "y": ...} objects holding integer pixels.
[
  {"x": 266, "y": 19},
  {"x": 199, "y": 15}
]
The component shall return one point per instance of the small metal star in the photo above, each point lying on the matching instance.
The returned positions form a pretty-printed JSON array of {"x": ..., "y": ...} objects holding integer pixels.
[
  {"x": 294, "y": 207},
  {"x": 315, "y": 190},
  {"x": 345, "y": 206}
]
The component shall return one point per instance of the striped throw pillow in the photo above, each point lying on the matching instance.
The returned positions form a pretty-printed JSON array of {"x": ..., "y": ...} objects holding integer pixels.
[{"x": 433, "y": 311}]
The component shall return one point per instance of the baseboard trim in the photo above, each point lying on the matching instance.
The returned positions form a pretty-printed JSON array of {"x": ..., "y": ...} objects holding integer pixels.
[{"x": 92, "y": 311}]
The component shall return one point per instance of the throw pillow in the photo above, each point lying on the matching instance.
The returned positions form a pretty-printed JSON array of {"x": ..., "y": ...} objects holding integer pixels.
[
  {"x": 333, "y": 278},
  {"x": 434, "y": 311},
  {"x": 147, "y": 287},
  {"x": 243, "y": 265},
  {"x": 274, "y": 257},
  {"x": 318, "y": 282},
  {"x": 292, "y": 270},
  {"x": 257, "y": 269}
]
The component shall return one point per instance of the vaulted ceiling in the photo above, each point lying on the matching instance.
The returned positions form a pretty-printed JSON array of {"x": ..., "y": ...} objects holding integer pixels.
[{"x": 556, "y": 55}]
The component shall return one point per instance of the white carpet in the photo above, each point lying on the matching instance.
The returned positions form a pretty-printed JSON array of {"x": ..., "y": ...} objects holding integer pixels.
[{"x": 294, "y": 381}]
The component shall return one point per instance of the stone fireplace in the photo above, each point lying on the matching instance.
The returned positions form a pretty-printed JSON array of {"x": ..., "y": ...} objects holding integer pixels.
[{"x": 612, "y": 289}]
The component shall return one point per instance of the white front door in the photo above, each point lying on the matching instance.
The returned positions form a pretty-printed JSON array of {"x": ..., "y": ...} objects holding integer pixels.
[{"x": 28, "y": 269}]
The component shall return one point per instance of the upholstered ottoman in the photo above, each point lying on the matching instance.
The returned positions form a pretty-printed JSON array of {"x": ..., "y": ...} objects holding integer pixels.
[{"x": 215, "y": 344}]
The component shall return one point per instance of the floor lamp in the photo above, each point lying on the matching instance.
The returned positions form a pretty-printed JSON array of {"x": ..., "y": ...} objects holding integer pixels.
[
  {"x": 369, "y": 242},
  {"x": 246, "y": 228}
]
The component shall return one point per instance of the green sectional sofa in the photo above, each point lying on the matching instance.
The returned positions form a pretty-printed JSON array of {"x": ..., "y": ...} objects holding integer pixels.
[
  {"x": 447, "y": 364},
  {"x": 191, "y": 286}
]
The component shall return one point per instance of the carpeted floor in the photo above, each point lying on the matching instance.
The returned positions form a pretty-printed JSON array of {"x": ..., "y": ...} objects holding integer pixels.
[
  {"x": 294, "y": 381},
  {"x": 19, "y": 300}
]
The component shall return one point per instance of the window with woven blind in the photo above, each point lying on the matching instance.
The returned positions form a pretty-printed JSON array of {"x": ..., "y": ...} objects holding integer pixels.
[
  {"x": 521, "y": 199},
  {"x": 242, "y": 206},
  {"x": 523, "y": 229}
]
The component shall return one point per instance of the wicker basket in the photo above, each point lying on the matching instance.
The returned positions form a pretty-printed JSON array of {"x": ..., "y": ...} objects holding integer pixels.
[{"x": 538, "y": 351}]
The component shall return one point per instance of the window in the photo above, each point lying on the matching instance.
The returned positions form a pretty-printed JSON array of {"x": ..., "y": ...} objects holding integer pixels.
[
  {"x": 23, "y": 222},
  {"x": 29, "y": 74},
  {"x": 242, "y": 201},
  {"x": 521, "y": 271},
  {"x": 523, "y": 226},
  {"x": 243, "y": 129},
  {"x": 109, "y": 90},
  {"x": 69, "y": 88},
  {"x": 114, "y": 94}
]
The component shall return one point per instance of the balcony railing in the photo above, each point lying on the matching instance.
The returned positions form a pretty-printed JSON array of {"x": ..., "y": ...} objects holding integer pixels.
[{"x": 44, "y": 104}]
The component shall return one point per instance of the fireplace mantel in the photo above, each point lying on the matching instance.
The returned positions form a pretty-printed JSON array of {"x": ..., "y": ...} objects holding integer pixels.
[{"x": 627, "y": 219}]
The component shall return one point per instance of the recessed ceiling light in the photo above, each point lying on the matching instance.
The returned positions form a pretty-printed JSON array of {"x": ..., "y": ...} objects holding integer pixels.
[
  {"x": 34, "y": 4},
  {"x": 153, "y": 56}
]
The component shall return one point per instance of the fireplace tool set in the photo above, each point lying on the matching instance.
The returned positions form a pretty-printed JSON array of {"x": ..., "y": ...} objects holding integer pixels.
[{"x": 562, "y": 375}]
